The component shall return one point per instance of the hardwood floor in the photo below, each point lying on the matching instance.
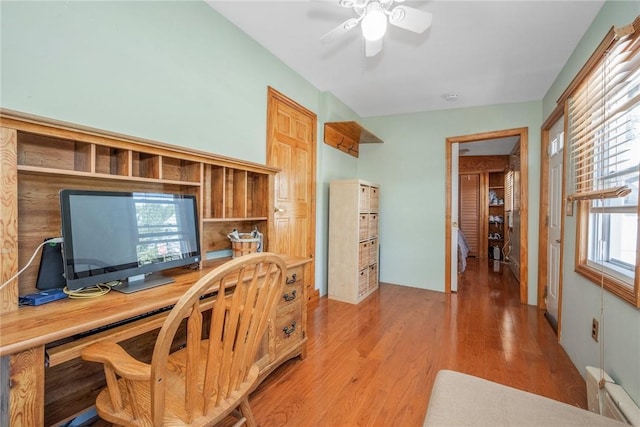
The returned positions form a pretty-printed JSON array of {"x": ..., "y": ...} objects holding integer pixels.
[{"x": 374, "y": 363}]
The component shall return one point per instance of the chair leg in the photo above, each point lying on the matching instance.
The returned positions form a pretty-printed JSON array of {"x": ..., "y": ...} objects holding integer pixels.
[{"x": 245, "y": 409}]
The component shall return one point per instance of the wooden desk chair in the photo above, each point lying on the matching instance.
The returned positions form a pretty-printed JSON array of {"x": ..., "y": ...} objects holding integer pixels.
[{"x": 211, "y": 377}]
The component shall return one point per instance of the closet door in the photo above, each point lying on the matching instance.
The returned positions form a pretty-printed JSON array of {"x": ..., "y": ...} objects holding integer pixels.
[{"x": 469, "y": 215}]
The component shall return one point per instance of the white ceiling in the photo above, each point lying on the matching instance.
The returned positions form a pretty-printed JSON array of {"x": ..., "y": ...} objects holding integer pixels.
[{"x": 486, "y": 52}]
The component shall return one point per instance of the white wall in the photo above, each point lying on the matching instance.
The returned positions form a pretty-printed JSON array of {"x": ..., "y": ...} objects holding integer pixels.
[{"x": 580, "y": 297}]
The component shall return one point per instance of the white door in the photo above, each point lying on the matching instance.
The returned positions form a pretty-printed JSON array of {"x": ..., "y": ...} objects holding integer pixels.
[
  {"x": 554, "y": 222},
  {"x": 454, "y": 217}
]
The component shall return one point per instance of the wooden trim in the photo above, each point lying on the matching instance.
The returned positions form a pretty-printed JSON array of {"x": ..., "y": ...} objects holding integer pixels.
[
  {"x": 591, "y": 63},
  {"x": 524, "y": 216},
  {"x": 8, "y": 219},
  {"x": 553, "y": 117},
  {"x": 524, "y": 207},
  {"x": 611, "y": 284},
  {"x": 595, "y": 58},
  {"x": 543, "y": 218},
  {"x": 543, "y": 243},
  {"x": 447, "y": 218}
]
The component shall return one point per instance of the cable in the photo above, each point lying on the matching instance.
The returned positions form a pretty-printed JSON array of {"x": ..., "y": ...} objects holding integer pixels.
[
  {"x": 90, "y": 292},
  {"x": 55, "y": 240}
]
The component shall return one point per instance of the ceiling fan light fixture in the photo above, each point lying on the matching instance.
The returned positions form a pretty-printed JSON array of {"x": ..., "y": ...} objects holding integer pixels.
[{"x": 374, "y": 23}]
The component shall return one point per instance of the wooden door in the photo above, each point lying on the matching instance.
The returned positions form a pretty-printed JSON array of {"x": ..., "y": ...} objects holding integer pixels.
[
  {"x": 291, "y": 147},
  {"x": 470, "y": 210}
]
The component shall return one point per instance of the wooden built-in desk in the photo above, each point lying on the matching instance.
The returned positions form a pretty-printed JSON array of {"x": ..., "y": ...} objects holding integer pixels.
[{"x": 28, "y": 337}]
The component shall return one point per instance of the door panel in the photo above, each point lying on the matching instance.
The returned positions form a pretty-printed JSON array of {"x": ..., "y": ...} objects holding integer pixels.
[
  {"x": 291, "y": 147},
  {"x": 554, "y": 226},
  {"x": 470, "y": 210}
]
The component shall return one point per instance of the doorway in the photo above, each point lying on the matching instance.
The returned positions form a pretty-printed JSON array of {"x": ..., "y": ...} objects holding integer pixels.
[{"x": 451, "y": 217}]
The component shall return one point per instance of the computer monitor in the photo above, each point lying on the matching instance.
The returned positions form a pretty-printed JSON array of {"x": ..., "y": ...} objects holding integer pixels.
[{"x": 126, "y": 236}]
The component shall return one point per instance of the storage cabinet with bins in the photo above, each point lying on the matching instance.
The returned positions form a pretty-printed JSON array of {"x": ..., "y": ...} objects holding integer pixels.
[
  {"x": 353, "y": 240},
  {"x": 38, "y": 158},
  {"x": 496, "y": 216}
]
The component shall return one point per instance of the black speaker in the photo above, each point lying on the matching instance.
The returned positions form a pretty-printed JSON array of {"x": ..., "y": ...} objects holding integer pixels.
[{"x": 51, "y": 270}]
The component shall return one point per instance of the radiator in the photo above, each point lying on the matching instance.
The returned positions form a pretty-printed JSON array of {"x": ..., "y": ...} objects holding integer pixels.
[{"x": 611, "y": 401}]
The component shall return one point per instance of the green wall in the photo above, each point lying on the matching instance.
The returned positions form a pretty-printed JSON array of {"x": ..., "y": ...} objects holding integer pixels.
[
  {"x": 179, "y": 73},
  {"x": 173, "y": 71},
  {"x": 580, "y": 297},
  {"x": 411, "y": 168}
]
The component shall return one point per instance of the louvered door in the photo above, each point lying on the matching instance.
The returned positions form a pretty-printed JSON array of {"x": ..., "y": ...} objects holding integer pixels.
[{"x": 469, "y": 216}]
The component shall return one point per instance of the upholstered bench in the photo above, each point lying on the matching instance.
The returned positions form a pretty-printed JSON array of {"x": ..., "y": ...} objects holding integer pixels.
[{"x": 463, "y": 400}]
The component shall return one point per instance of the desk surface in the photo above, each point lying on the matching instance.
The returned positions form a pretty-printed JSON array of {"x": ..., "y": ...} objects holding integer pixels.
[{"x": 30, "y": 327}]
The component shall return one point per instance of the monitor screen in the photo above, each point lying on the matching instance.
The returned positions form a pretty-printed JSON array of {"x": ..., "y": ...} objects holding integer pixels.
[{"x": 125, "y": 236}]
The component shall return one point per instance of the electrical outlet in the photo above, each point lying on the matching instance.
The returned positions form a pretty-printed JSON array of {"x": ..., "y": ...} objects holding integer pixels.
[{"x": 594, "y": 329}]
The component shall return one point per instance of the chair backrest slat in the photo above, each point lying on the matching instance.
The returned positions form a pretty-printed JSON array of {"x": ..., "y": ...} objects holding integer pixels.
[
  {"x": 194, "y": 337},
  {"x": 248, "y": 290}
]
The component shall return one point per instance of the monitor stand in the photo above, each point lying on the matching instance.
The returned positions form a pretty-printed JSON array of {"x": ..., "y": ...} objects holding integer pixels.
[{"x": 141, "y": 282}]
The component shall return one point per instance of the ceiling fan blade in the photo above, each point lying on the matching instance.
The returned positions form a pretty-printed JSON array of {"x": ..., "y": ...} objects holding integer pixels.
[
  {"x": 340, "y": 30},
  {"x": 372, "y": 48},
  {"x": 410, "y": 19}
]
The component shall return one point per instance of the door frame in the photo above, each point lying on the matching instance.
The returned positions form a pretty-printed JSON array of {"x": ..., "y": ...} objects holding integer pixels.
[
  {"x": 543, "y": 243},
  {"x": 523, "y": 133}
]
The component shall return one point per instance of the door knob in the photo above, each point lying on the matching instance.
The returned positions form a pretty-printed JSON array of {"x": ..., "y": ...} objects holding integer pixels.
[{"x": 276, "y": 210}]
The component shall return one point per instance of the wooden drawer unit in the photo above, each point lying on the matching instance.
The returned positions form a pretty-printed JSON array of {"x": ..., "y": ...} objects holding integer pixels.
[
  {"x": 293, "y": 289},
  {"x": 288, "y": 327}
]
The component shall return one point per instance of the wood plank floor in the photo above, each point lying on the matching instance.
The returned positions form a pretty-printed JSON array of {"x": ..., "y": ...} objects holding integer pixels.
[{"x": 374, "y": 364}]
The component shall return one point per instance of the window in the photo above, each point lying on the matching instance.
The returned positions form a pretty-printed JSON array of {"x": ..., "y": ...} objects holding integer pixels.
[{"x": 604, "y": 146}]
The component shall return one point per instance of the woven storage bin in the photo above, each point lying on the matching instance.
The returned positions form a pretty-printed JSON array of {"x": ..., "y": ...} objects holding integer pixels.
[{"x": 245, "y": 245}]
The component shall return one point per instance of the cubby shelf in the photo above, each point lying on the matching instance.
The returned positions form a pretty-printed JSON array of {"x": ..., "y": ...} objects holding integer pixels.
[{"x": 41, "y": 157}]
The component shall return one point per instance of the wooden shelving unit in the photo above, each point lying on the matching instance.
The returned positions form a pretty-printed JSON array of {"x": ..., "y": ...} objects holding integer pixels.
[
  {"x": 496, "y": 215},
  {"x": 40, "y": 157}
]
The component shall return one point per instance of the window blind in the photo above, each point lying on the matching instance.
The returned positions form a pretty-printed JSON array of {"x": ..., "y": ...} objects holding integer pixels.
[{"x": 604, "y": 124}]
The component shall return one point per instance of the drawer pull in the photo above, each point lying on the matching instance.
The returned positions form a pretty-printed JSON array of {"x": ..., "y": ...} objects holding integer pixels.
[
  {"x": 294, "y": 278},
  {"x": 288, "y": 297},
  {"x": 288, "y": 330}
]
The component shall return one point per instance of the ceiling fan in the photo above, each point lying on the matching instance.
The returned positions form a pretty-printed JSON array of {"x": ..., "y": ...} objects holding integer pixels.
[{"x": 373, "y": 16}]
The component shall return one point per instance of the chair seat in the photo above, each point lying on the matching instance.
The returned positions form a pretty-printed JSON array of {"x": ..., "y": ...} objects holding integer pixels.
[{"x": 175, "y": 414}]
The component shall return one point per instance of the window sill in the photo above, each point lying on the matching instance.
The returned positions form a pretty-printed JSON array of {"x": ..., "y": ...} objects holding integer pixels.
[{"x": 612, "y": 284}]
